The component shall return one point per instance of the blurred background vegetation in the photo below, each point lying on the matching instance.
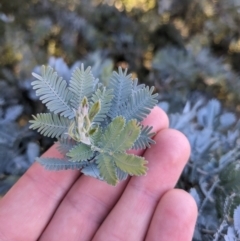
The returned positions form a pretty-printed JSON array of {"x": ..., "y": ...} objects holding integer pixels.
[
  {"x": 194, "y": 45},
  {"x": 189, "y": 50}
]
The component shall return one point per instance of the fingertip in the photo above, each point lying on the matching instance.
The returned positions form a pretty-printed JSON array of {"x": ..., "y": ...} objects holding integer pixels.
[
  {"x": 174, "y": 144},
  {"x": 185, "y": 203},
  {"x": 171, "y": 144},
  {"x": 175, "y": 217},
  {"x": 158, "y": 119}
]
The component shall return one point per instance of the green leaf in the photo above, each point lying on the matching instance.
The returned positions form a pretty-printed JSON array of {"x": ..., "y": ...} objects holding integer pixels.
[
  {"x": 127, "y": 137},
  {"x": 80, "y": 152},
  {"x": 81, "y": 84},
  {"x": 53, "y": 92},
  {"x": 92, "y": 131},
  {"x": 96, "y": 137},
  {"x": 84, "y": 105},
  {"x": 56, "y": 164},
  {"x": 50, "y": 125},
  {"x": 94, "y": 110},
  {"x": 107, "y": 169},
  {"x": 105, "y": 97},
  {"x": 111, "y": 133},
  {"x": 131, "y": 164}
]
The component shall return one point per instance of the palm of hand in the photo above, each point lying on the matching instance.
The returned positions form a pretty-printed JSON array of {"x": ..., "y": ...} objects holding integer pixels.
[{"x": 66, "y": 206}]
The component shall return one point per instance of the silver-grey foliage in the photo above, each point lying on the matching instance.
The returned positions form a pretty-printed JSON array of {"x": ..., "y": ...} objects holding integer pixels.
[
  {"x": 53, "y": 92},
  {"x": 18, "y": 147},
  {"x": 213, "y": 170},
  {"x": 95, "y": 122}
]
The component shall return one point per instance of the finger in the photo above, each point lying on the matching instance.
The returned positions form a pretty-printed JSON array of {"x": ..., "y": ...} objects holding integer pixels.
[
  {"x": 130, "y": 218},
  {"x": 28, "y": 206},
  {"x": 89, "y": 201},
  {"x": 174, "y": 218}
]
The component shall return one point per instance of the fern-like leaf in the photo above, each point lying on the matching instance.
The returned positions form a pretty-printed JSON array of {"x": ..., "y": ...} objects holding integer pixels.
[
  {"x": 96, "y": 137},
  {"x": 111, "y": 133},
  {"x": 107, "y": 169},
  {"x": 64, "y": 145},
  {"x": 56, "y": 164},
  {"x": 137, "y": 87},
  {"x": 145, "y": 139},
  {"x": 81, "y": 84},
  {"x": 53, "y": 92},
  {"x": 127, "y": 137},
  {"x": 139, "y": 105},
  {"x": 131, "y": 164},
  {"x": 105, "y": 97},
  {"x": 80, "y": 152},
  {"x": 121, "y": 175},
  {"x": 92, "y": 170},
  {"x": 50, "y": 125},
  {"x": 121, "y": 83}
]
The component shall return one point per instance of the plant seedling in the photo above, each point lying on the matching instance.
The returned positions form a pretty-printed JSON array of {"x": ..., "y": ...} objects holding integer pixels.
[{"x": 95, "y": 124}]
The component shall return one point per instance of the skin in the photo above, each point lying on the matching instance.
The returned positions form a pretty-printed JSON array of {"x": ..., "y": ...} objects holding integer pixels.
[{"x": 65, "y": 205}]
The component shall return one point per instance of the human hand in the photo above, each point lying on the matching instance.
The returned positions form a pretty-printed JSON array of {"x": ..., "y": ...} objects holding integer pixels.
[{"x": 66, "y": 205}]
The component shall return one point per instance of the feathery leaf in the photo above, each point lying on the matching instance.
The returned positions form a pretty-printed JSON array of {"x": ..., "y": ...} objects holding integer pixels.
[
  {"x": 107, "y": 169},
  {"x": 92, "y": 170},
  {"x": 96, "y": 137},
  {"x": 121, "y": 83},
  {"x": 53, "y": 92},
  {"x": 137, "y": 87},
  {"x": 125, "y": 140},
  {"x": 81, "y": 84},
  {"x": 50, "y": 125},
  {"x": 131, "y": 164},
  {"x": 111, "y": 133},
  {"x": 105, "y": 97},
  {"x": 60, "y": 164},
  {"x": 121, "y": 175},
  {"x": 145, "y": 139},
  {"x": 63, "y": 145},
  {"x": 139, "y": 105},
  {"x": 80, "y": 152}
]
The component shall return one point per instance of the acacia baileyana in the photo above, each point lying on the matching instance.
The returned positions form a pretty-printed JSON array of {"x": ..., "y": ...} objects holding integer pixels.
[{"x": 95, "y": 124}]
